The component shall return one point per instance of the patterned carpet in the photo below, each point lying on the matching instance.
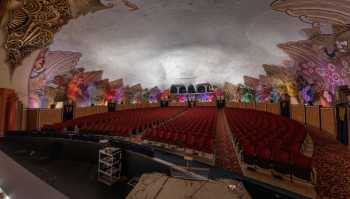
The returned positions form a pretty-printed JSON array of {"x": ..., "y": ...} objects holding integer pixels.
[
  {"x": 224, "y": 148},
  {"x": 332, "y": 163}
]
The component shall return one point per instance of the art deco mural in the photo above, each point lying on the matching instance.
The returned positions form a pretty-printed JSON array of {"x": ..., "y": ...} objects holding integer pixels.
[
  {"x": 261, "y": 87},
  {"x": 116, "y": 91},
  {"x": 154, "y": 94},
  {"x": 55, "y": 77},
  {"x": 82, "y": 87},
  {"x": 134, "y": 93},
  {"x": 51, "y": 73},
  {"x": 247, "y": 94}
]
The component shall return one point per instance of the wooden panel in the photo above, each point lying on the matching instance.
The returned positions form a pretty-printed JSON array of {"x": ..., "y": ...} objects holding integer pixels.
[
  {"x": 49, "y": 116},
  {"x": 273, "y": 108},
  {"x": 242, "y": 105},
  {"x": 32, "y": 119},
  {"x": 250, "y": 106},
  {"x": 297, "y": 112},
  {"x": 177, "y": 104},
  {"x": 329, "y": 121},
  {"x": 313, "y": 116},
  {"x": 85, "y": 111},
  {"x": 229, "y": 104},
  {"x": 151, "y": 105},
  {"x": 8, "y": 112},
  {"x": 20, "y": 119},
  {"x": 138, "y": 106},
  {"x": 131, "y": 106},
  {"x": 237, "y": 105},
  {"x": 24, "y": 120},
  {"x": 260, "y": 107},
  {"x": 125, "y": 106},
  {"x": 121, "y": 107},
  {"x": 206, "y": 104},
  {"x": 102, "y": 109},
  {"x": 232, "y": 104}
]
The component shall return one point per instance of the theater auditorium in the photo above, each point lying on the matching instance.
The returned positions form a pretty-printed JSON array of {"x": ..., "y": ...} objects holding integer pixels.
[{"x": 174, "y": 99}]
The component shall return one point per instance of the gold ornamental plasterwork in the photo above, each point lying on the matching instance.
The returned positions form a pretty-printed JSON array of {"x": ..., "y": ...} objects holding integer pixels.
[
  {"x": 316, "y": 11},
  {"x": 33, "y": 27}
]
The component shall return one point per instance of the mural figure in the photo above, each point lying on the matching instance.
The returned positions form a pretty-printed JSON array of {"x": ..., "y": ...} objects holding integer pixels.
[
  {"x": 308, "y": 95},
  {"x": 274, "y": 96},
  {"x": 247, "y": 95},
  {"x": 154, "y": 95},
  {"x": 37, "y": 81},
  {"x": 326, "y": 98},
  {"x": 49, "y": 76}
]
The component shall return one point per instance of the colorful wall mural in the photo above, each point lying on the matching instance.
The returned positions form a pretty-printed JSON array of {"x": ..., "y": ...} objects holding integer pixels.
[
  {"x": 55, "y": 78},
  {"x": 50, "y": 76},
  {"x": 317, "y": 65}
]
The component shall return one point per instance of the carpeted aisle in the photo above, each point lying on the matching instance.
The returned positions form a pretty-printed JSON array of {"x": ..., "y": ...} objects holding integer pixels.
[
  {"x": 225, "y": 156},
  {"x": 332, "y": 163}
]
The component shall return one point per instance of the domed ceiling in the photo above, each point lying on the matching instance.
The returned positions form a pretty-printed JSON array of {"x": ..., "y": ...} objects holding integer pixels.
[{"x": 182, "y": 41}]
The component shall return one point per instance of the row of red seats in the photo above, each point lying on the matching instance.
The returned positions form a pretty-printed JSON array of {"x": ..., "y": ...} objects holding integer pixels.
[
  {"x": 194, "y": 129},
  {"x": 200, "y": 143},
  {"x": 120, "y": 123},
  {"x": 270, "y": 141}
]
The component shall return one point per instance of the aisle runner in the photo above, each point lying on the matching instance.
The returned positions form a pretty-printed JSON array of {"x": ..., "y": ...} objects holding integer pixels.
[{"x": 224, "y": 154}]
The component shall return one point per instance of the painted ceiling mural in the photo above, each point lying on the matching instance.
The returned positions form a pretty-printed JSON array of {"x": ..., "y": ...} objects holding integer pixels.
[{"x": 169, "y": 42}]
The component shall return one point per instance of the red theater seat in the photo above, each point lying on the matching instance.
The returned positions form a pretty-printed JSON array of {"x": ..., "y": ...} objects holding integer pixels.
[
  {"x": 263, "y": 157},
  {"x": 119, "y": 123},
  {"x": 192, "y": 125},
  {"x": 281, "y": 161},
  {"x": 302, "y": 166},
  {"x": 269, "y": 140}
]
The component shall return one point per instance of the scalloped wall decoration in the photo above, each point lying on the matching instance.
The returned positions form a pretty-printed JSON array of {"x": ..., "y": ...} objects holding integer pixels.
[
  {"x": 251, "y": 82},
  {"x": 303, "y": 51},
  {"x": 231, "y": 92},
  {"x": 83, "y": 7},
  {"x": 316, "y": 11}
]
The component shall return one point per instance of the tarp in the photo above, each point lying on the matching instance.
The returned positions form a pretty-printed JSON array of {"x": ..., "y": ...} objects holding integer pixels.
[{"x": 160, "y": 186}]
